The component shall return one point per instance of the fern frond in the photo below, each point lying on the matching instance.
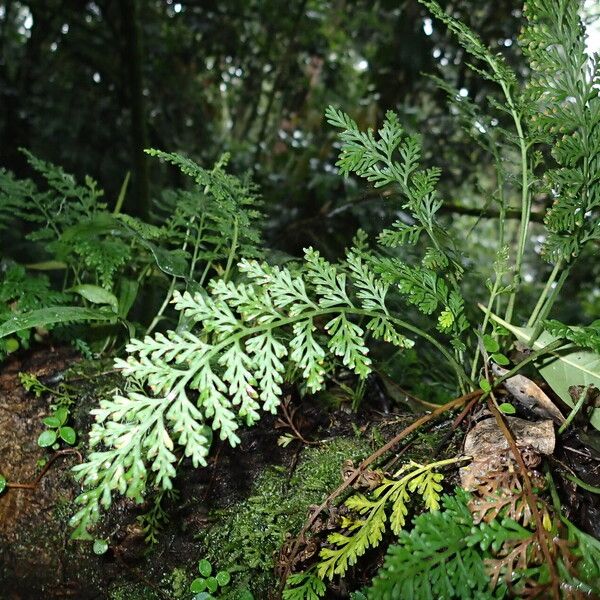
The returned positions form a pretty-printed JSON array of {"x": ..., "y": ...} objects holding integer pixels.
[
  {"x": 564, "y": 111},
  {"x": 367, "y": 529},
  {"x": 228, "y": 368},
  {"x": 435, "y": 559},
  {"x": 304, "y": 586}
]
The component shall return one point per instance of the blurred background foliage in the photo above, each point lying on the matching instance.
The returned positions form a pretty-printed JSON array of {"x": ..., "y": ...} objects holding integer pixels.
[{"x": 89, "y": 85}]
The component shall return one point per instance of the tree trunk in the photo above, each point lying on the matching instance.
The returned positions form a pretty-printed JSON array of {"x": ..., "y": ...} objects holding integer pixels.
[{"x": 138, "y": 203}]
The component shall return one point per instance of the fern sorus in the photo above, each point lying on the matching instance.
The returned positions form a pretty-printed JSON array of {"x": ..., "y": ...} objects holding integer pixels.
[{"x": 230, "y": 366}]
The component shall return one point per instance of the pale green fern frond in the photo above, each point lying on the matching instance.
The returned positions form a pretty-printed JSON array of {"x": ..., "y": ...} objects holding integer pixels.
[{"x": 228, "y": 368}]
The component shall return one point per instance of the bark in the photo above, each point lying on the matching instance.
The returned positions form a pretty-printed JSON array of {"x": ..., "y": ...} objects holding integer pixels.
[{"x": 132, "y": 56}]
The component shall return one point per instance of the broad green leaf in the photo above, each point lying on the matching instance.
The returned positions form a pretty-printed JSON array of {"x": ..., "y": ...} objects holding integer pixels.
[
  {"x": 68, "y": 435},
  {"x": 490, "y": 344},
  {"x": 61, "y": 414},
  {"x": 198, "y": 585},
  {"x": 52, "y": 421},
  {"x": 484, "y": 384},
  {"x": 204, "y": 567},
  {"x": 50, "y": 316},
  {"x": 507, "y": 408},
  {"x": 561, "y": 369},
  {"x": 212, "y": 584},
  {"x": 500, "y": 359},
  {"x": 47, "y": 438},
  {"x": 11, "y": 345},
  {"x": 128, "y": 291},
  {"x": 223, "y": 577},
  {"x": 97, "y": 295}
]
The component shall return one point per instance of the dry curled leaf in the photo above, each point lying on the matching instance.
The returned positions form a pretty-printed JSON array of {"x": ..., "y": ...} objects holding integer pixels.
[
  {"x": 491, "y": 453},
  {"x": 366, "y": 479},
  {"x": 530, "y": 395}
]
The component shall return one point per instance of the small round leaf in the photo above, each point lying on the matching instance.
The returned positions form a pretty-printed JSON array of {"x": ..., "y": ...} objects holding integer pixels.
[
  {"x": 52, "y": 421},
  {"x": 198, "y": 585},
  {"x": 212, "y": 584},
  {"x": 500, "y": 359},
  {"x": 203, "y": 596},
  {"x": 100, "y": 546},
  {"x": 507, "y": 408},
  {"x": 2, "y": 483},
  {"x": 204, "y": 567},
  {"x": 490, "y": 344},
  {"x": 223, "y": 577},
  {"x": 68, "y": 435},
  {"x": 47, "y": 438},
  {"x": 61, "y": 414},
  {"x": 11, "y": 345},
  {"x": 484, "y": 384}
]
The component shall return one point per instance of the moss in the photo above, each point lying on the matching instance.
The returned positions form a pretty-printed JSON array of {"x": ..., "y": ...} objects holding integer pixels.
[
  {"x": 247, "y": 537},
  {"x": 180, "y": 583}
]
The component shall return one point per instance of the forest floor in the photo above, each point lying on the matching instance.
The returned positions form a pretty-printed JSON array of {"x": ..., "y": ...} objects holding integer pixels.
[
  {"x": 237, "y": 512},
  {"x": 241, "y": 513}
]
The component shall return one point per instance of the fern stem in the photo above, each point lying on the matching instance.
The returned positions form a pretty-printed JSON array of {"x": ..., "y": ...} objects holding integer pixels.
[
  {"x": 232, "y": 249},
  {"x": 525, "y": 204},
  {"x": 163, "y": 306},
  {"x": 486, "y": 319},
  {"x": 196, "y": 246},
  {"x": 430, "y": 467},
  {"x": 250, "y": 331},
  {"x": 549, "y": 304},
  {"x": 540, "y": 303}
]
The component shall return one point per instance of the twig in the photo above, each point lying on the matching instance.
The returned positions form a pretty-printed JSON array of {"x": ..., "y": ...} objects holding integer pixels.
[
  {"x": 540, "y": 531},
  {"x": 34, "y": 484},
  {"x": 361, "y": 468}
]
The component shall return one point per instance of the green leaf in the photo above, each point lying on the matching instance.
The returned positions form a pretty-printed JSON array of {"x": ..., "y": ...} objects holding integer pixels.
[
  {"x": 204, "y": 567},
  {"x": 484, "y": 384},
  {"x": 223, "y": 577},
  {"x": 198, "y": 585},
  {"x": 61, "y": 414},
  {"x": 52, "y": 421},
  {"x": 561, "y": 369},
  {"x": 212, "y": 584},
  {"x": 500, "y": 359},
  {"x": 507, "y": 408},
  {"x": 490, "y": 344},
  {"x": 68, "y": 435},
  {"x": 97, "y": 295},
  {"x": 11, "y": 345},
  {"x": 100, "y": 546},
  {"x": 2, "y": 483},
  {"x": 50, "y": 316},
  {"x": 47, "y": 438},
  {"x": 128, "y": 290}
]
